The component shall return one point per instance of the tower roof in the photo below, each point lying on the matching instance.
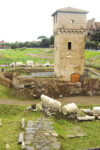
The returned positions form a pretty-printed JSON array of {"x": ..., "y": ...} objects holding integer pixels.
[{"x": 70, "y": 10}]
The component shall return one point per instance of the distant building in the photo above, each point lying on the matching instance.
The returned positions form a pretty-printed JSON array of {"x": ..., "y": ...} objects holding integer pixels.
[
  {"x": 92, "y": 26},
  {"x": 69, "y": 33},
  {"x": 3, "y": 45}
]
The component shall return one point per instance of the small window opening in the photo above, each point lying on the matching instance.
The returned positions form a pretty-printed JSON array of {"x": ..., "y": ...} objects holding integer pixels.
[
  {"x": 89, "y": 33},
  {"x": 69, "y": 45},
  {"x": 72, "y": 21}
]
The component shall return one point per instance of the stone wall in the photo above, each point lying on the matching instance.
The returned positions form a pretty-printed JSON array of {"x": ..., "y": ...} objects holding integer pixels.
[
  {"x": 4, "y": 81},
  {"x": 34, "y": 87},
  {"x": 67, "y": 61},
  {"x": 92, "y": 87},
  {"x": 64, "y": 20},
  {"x": 69, "y": 34}
]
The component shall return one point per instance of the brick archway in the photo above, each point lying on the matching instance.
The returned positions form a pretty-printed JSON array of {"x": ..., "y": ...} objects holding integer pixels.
[{"x": 75, "y": 77}]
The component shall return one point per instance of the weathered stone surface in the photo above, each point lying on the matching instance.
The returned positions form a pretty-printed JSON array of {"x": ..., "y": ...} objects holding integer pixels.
[
  {"x": 51, "y": 103},
  {"x": 21, "y": 138},
  {"x": 87, "y": 111},
  {"x": 76, "y": 132},
  {"x": 6, "y": 82},
  {"x": 38, "y": 147},
  {"x": 86, "y": 118},
  {"x": 96, "y": 110},
  {"x": 98, "y": 117},
  {"x": 70, "y": 109},
  {"x": 56, "y": 145},
  {"x": 44, "y": 136},
  {"x": 54, "y": 88},
  {"x": 29, "y": 148},
  {"x": 19, "y": 64},
  {"x": 28, "y": 142},
  {"x": 69, "y": 61}
]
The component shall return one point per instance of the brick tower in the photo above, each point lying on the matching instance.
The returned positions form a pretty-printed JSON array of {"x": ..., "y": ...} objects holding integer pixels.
[{"x": 69, "y": 33}]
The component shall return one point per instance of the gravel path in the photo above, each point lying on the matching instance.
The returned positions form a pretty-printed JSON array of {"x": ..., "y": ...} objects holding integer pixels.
[
  {"x": 18, "y": 102},
  {"x": 84, "y": 100}
]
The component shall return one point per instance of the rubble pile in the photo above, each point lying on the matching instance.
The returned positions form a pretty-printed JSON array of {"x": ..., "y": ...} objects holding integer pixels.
[{"x": 54, "y": 107}]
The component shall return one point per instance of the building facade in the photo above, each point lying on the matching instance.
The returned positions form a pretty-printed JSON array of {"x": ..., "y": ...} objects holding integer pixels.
[
  {"x": 92, "y": 26},
  {"x": 69, "y": 32}
]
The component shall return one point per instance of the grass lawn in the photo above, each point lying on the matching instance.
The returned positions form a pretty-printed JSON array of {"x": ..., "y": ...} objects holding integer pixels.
[
  {"x": 15, "y": 55},
  {"x": 97, "y": 61},
  {"x": 12, "y": 115},
  {"x": 5, "y": 92},
  {"x": 9, "y": 93},
  {"x": 91, "y": 54}
]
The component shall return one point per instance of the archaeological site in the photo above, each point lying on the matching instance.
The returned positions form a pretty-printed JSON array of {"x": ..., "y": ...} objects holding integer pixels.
[{"x": 55, "y": 101}]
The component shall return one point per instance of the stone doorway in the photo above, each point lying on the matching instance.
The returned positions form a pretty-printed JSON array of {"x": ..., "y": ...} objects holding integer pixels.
[{"x": 75, "y": 77}]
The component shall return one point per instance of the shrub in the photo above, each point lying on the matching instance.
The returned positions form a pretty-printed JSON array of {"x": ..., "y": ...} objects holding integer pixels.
[{"x": 90, "y": 45}]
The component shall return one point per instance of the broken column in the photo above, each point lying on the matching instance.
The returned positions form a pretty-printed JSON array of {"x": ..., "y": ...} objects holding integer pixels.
[
  {"x": 51, "y": 105},
  {"x": 70, "y": 110}
]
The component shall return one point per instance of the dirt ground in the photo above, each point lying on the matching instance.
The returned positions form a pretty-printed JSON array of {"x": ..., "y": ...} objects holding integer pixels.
[
  {"x": 18, "y": 102},
  {"x": 84, "y": 100},
  {"x": 40, "y": 56}
]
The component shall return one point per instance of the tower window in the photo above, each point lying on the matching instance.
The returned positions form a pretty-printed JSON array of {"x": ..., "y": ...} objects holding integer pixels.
[{"x": 69, "y": 45}]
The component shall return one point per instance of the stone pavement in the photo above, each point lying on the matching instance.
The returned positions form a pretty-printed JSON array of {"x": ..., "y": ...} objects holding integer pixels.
[{"x": 40, "y": 135}]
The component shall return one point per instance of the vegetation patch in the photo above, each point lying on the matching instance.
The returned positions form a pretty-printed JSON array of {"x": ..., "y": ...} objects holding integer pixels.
[
  {"x": 91, "y": 54},
  {"x": 22, "y": 54},
  {"x": 10, "y": 93},
  {"x": 91, "y": 128},
  {"x": 11, "y": 117},
  {"x": 16, "y": 55}
]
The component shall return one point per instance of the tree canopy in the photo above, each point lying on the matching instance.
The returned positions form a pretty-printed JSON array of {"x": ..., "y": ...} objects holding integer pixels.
[
  {"x": 96, "y": 37},
  {"x": 44, "y": 42},
  {"x": 42, "y": 37}
]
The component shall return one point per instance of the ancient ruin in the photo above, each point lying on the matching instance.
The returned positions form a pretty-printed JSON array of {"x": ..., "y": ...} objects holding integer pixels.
[
  {"x": 69, "y": 33},
  {"x": 92, "y": 26}
]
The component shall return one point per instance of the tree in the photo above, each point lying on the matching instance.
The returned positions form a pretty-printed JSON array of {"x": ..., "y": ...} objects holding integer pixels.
[
  {"x": 44, "y": 43},
  {"x": 42, "y": 37},
  {"x": 96, "y": 37},
  {"x": 52, "y": 40}
]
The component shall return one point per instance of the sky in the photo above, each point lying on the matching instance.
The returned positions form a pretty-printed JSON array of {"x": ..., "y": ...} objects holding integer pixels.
[{"x": 25, "y": 20}]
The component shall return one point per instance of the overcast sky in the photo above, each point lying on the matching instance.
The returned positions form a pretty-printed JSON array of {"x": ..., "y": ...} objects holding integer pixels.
[{"x": 25, "y": 20}]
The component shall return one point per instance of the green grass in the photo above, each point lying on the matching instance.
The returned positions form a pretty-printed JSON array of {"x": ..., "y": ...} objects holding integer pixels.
[
  {"x": 6, "y": 93},
  {"x": 91, "y": 54},
  {"x": 92, "y": 139},
  {"x": 97, "y": 61},
  {"x": 11, "y": 117},
  {"x": 15, "y": 55}
]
